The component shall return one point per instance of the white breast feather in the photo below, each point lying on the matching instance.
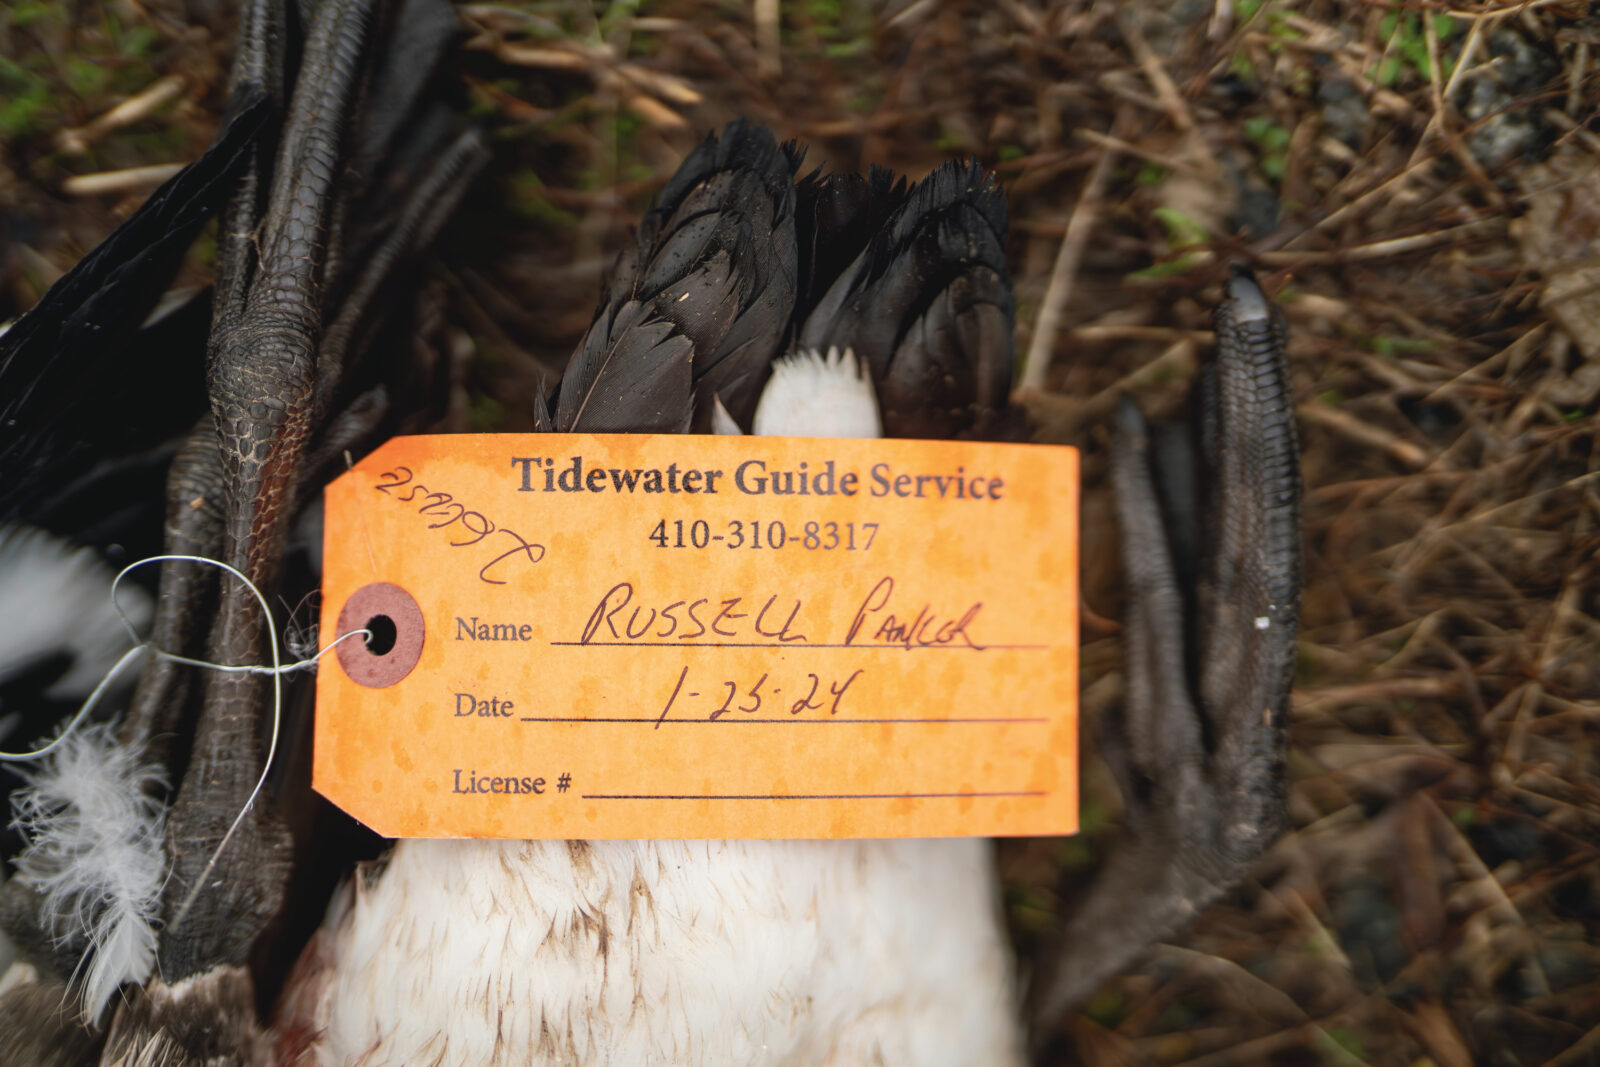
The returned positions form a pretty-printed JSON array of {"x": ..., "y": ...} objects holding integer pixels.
[
  {"x": 671, "y": 952},
  {"x": 57, "y": 598},
  {"x": 683, "y": 952}
]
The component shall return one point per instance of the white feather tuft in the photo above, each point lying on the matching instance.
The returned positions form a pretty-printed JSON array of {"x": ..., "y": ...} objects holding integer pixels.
[
  {"x": 812, "y": 395},
  {"x": 723, "y": 424},
  {"x": 57, "y": 598},
  {"x": 95, "y": 833}
]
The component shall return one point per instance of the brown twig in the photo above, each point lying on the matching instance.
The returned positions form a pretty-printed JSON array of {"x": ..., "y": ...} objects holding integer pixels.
[
  {"x": 133, "y": 179},
  {"x": 1042, "y": 344}
]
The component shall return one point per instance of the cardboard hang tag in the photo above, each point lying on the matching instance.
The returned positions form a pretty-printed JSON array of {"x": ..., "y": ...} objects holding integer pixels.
[{"x": 626, "y": 636}]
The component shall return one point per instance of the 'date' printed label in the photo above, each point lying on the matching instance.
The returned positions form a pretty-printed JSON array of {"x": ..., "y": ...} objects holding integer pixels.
[{"x": 636, "y": 636}]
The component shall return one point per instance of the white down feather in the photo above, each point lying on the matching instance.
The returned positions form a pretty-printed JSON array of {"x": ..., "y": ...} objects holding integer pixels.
[
  {"x": 95, "y": 852},
  {"x": 663, "y": 952}
]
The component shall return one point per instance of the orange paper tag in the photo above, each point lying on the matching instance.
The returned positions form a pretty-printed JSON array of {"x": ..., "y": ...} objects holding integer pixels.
[{"x": 584, "y": 636}]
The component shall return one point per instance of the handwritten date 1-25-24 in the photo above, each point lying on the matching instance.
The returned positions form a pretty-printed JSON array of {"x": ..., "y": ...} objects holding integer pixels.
[
  {"x": 474, "y": 523},
  {"x": 750, "y": 699},
  {"x": 813, "y": 536}
]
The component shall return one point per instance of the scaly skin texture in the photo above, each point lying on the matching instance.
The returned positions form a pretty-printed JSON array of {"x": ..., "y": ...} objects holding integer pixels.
[
  {"x": 258, "y": 67},
  {"x": 1213, "y": 596},
  {"x": 195, "y": 482},
  {"x": 262, "y": 376},
  {"x": 193, "y": 528}
]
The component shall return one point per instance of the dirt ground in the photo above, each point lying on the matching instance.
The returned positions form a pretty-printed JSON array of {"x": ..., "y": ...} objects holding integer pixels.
[{"x": 1417, "y": 184}]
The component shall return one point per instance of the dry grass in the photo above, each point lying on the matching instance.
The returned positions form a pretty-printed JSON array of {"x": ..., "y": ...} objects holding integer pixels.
[{"x": 1417, "y": 185}]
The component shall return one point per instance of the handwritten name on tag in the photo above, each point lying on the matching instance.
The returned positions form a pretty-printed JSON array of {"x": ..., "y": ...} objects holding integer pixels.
[{"x": 609, "y": 636}]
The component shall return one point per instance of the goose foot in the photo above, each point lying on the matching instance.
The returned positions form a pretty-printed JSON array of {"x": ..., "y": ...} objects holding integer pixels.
[{"x": 1210, "y": 518}]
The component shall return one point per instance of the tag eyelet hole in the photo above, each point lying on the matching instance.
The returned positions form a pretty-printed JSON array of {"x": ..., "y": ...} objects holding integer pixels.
[
  {"x": 381, "y": 635},
  {"x": 395, "y": 633}
]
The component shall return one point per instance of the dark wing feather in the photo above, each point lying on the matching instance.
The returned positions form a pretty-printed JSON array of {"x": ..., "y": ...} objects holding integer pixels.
[
  {"x": 927, "y": 304},
  {"x": 836, "y": 217},
  {"x": 68, "y": 393},
  {"x": 640, "y": 378},
  {"x": 715, "y": 261}
]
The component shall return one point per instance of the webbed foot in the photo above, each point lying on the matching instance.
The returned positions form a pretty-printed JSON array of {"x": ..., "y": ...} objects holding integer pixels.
[{"x": 1210, "y": 519}]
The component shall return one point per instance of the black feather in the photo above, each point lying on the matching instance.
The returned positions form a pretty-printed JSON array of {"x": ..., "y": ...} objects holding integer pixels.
[
  {"x": 714, "y": 262},
  {"x": 927, "y": 304},
  {"x": 640, "y": 381},
  {"x": 836, "y": 217},
  {"x": 70, "y": 390}
]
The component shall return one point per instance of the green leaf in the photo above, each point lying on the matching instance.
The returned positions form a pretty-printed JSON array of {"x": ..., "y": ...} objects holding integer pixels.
[
  {"x": 1150, "y": 174},
  {"x": 1182, "y": 230},
  {"x": 617, "y": 14},
  {"x": 84, "y": 77},
  {"x": 848, "y": 49},
  {"x": 1168, "y": 269},
  {"x": 1108, "y": 1007},
  {"x": 485, "y": 414},
  {"x": 18, "y": 114},
  {"x": 23, "y": 15},
  {"x": 1346, "y": 1043},
  {"x": 136, "y": 42},
  {"x": 1279, "y": 28},
  {"x": 527, "y": 199}
]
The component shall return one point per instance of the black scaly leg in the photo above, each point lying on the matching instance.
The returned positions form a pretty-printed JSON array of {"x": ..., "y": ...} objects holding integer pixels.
[
  {"x": 193, "y": 528},
  {"x": 1213, "y": 604},
  {"x": 261, "y": 376},
  {"x": 194, "y": 485},
  {"x": 284, "y": 407}
]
